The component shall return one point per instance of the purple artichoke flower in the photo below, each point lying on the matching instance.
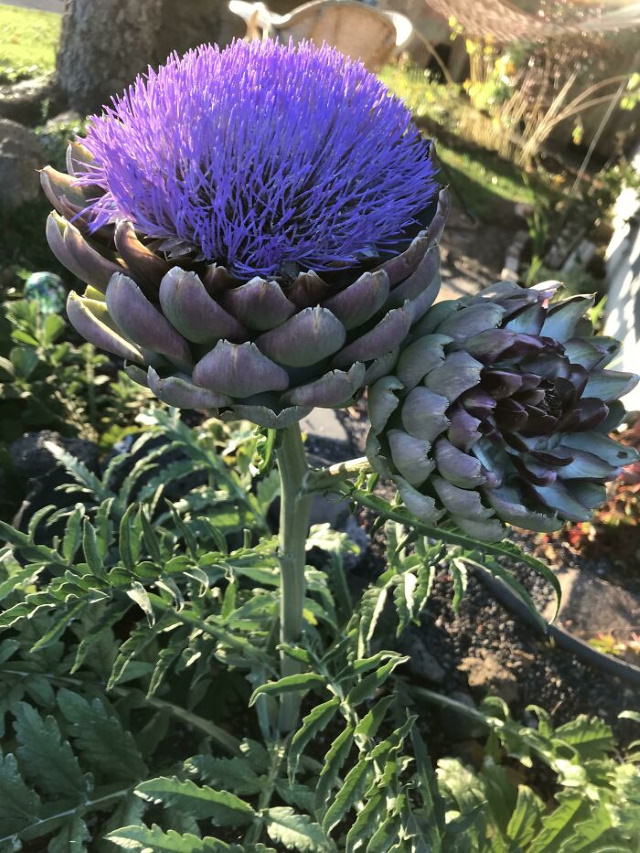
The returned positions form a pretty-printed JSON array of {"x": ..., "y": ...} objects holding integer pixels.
[
  {"x": 499, "y": 410},
  {"x": 231, "y": 214}
]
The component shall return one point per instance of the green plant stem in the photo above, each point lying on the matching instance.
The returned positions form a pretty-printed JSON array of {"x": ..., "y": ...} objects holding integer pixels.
[
  {"x": 324, "y": 479},
  {"x": 295, "y": 509}
]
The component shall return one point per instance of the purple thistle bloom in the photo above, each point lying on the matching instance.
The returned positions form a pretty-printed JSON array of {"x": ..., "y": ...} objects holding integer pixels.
[{"x": 259, "y": 157}]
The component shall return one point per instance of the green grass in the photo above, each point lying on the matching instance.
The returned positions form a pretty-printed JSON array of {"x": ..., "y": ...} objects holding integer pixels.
[
  {"x": 482, "y": 178},
  {"x": 28, "y": 43}
]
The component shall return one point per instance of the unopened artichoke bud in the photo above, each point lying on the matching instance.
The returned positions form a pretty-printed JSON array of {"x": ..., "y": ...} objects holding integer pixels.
[
  {"x": 254, "y": 250},
  {"x": 498, "y": 410}
]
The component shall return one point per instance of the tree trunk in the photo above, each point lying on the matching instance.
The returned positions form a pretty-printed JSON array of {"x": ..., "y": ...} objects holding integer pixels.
[{"x": 105, "y": 44}]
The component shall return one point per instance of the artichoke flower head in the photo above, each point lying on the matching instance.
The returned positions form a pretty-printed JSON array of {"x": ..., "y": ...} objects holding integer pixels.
[
  {"x": 499, "y": 410},
  {"x": 257, "y": 228}
]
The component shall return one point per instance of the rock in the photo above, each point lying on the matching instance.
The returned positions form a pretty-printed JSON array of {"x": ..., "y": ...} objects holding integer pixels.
[
  {"x": 487, "y": 673},
  {"x": 33, "y": 461},
  {"x": 63, "y": 118},
  {"x": 422, "y": 663},
  {"x": 27, "y": 101},
  {"x": 592, "y": 605},
  {"x": 21, "y": 155}
]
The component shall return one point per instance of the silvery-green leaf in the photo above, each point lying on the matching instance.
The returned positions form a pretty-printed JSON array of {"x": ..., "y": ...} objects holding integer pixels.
[
  {"x": 488, "y": 530},
  {"x": 304, "y": 339},
  {"x": 586, "y": 466},
  {"x": 560, "y": 499},
  {"x": 423, "y": 413},
  {"x": 422, "y": 506},
  {"x": 458, "y": 467},
  {"x": 143, "y": 265},
  {"x": 609, "y": 385},
  {"x": 265, "y": 417},
  {"x": 178, "y": 391},
  {"x": 258, "y": 304},
  {"x": 419, "y": 358},
  {"x": 239, "y": 370},
  {"x": 383, "y": 402},
  {"x": 458, "y": 373},
  {"x": 472, "y": 320},
  {"x": 509, "y": 507},
  {"x": 610, "y": 451},
  {"x": 91, "y": 320},
  {"x": 189, "y": 308},
  {"x": 332, "y": 389},
  {"x": 410, "y": 456},
  {"x": 460, "y": 502},
  {"x": 384, "y": 337},
  {"x": 564, "y": 316},
  {"x": 357, "y": 303},
  {"x": 142, "y": 323}
]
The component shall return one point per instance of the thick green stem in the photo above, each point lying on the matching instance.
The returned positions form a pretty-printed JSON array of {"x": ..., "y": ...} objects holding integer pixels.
[{"x": 295, "y": 509}]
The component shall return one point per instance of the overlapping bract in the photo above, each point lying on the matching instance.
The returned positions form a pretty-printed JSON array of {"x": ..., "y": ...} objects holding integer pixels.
[
  {"x": 498, "y": 411},
  {"x": 265, "y": 349}
]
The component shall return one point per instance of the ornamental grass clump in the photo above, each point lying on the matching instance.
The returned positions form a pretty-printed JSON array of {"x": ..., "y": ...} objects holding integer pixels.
[
  {"x": 499, "y": 410},
  {"x": 239, "y": 218}
]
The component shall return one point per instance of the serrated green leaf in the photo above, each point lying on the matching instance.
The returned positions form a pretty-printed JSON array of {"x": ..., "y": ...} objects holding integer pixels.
[
  {"x": 373, "y": 813},
  {"x": 295, "y": 831},
  {"x": 221, "y": 807},
  {"x": 90, "y": 549},
  {"x": 384, "y": 835},
  {"x": 78, "y": 470},
  {"x": 297, "y": 795},
  {"x": 590, "y": 835},
  {"x": 334, "y": 759},
  {"x": 234, "y": 773},
  {"x": 288, "y": 684},
  {"x": 72, "y": 533},
  {"x": 559, "y": 825},
  {"x": 591, "y": 737},
  {"x": 19, "y": 803},
  {"x": 140, "y": 837},
  {"x": 130, "y": 537},
  {"x": 371, "y": 607},
  {"x": 349, "y": 793},
  {"x": 315, "y": 721},
  {"x": 404, "y": 596},
  {"x": 72, "y": 837},
  {"x": 107, "y": 747},
  {"x": 45, "y": 758},
  {"x": 139, "y": 594},
  {"x": 368, "y": 686},
  {"x": 370, "y": 723},
  {"x": 26, "y": 547},
  {"x": 59, "y": 626},
  {"x": 151, "y": 540}
]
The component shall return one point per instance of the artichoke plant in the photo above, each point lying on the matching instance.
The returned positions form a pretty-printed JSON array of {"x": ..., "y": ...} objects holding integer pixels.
[
  {"x": 238, "y": 218},
  {"x": 498, "y": 410}
]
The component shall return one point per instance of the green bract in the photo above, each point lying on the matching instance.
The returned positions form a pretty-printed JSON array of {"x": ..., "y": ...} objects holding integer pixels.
[{"x": 498, "y": 411}]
